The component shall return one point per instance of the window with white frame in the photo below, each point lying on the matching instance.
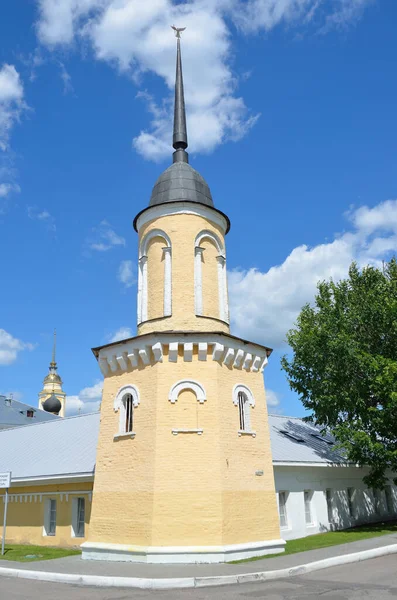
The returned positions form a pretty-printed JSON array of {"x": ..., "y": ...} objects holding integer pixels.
[
  {"x": 328, "y": 497},
  {"x": 351, "y": 493},
  {"x": 244, "y": 400},
  {"x": 377, "y": 501},
  {"x": 126, "y": 401},
  {"x": 78, "y": 517},
  {"x": 282, "y": 509},
  {"x": 389, "y": 499},
  {"x": 308, "y": 494},
  {"x": 50, "y": 517}
]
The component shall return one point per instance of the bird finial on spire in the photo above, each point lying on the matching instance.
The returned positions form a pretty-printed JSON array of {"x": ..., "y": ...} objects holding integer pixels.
[{"x": 179, "y": 140}]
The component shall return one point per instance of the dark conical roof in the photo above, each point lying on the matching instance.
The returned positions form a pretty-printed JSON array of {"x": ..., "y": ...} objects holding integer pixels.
[
  {"x": 180, "y": 182},
  {"x": 52, "y": 404}
]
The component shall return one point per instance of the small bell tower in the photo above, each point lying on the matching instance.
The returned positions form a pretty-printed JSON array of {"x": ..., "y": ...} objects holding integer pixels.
[{"x": 52, "y": 398}]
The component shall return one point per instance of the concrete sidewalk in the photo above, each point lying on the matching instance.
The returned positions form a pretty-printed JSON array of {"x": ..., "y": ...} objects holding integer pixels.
[{"x": 73, "y": 569}]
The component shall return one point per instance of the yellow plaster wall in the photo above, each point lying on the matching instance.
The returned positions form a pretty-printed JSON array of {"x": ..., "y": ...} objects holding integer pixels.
[
  {"x": 162, "y": 489},
  {"x": 155, "y": 266},
  {"x": 25, "y": 517},
  {"x": 210, "y": 279},
  {"x": 182, "y": 230}
]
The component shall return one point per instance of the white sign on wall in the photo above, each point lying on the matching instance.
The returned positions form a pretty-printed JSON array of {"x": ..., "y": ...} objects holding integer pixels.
[{"x": 5, "y": 480}]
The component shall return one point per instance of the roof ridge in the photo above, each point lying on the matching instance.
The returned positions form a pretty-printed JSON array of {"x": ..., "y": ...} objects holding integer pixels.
[
  {"x": 285, "y": 416},
  {"x": 61, "y": 420}
]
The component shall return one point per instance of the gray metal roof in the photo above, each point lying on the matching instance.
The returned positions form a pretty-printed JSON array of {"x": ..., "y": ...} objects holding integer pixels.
[
  {"x": 181, "y": 183},
  {"x": 55, "y": 449},
  {"x": 14, "y": 414},
  {"x": 311, "y": 449}
]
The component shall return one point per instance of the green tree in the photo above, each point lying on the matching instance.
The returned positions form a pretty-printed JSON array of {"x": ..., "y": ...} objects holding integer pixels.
[{"x": 344, "y": 365}]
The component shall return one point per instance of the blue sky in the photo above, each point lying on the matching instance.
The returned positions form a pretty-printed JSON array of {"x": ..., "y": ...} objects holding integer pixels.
[{"x": 291, "y": 117}]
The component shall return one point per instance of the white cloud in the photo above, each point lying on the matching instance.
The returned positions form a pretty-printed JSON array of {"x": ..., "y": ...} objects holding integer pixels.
[
  {"x": 135, "y": 37},
  {"x": 10, "y": 347},
  {"x": 127, "y": 273},
  {"x": 272, "y": 398},
  {"x": 121, "y": 334},
  {"x": 66, "y": 79},
  {"x": 104, "y": 238},
  {"x": 87, "y": 401},
  {"x": 264, "y": 305},
  {"x": 12, "y": 105},
  {"x": 44, "y": 216}
]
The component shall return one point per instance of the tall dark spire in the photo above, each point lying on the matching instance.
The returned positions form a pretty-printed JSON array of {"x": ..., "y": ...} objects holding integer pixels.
[{"x": 179, "y": 140}]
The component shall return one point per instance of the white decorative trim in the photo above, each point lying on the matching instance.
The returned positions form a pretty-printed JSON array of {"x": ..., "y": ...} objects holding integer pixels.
[
  {"x": 202, "y": 350},
  {"x": 181, "y": 208},
  {"x": 149, "y": 349},
  {"x": 187, "y": 384},
  {"x": 188, "y": 352},
  {"x": 143, "y": 277},
  {"x": 126, "y": 389},
  {"x": 120, "y": 436},
  {"x": 179, "y": 554},
  {"x": 207, "y": 234},
  {"x": 198, "y": 280},
  {"x": 244, "y": 432},
  {"x": 239, "y": 387},
  {"x": 176, "y": 431}
]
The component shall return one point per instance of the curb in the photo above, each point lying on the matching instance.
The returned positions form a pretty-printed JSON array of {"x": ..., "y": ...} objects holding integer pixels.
[{"x": 192, "y": 582}]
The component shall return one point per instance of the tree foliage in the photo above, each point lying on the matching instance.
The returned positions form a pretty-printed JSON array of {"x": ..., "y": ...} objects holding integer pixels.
[{"x": 344, "y": 365}]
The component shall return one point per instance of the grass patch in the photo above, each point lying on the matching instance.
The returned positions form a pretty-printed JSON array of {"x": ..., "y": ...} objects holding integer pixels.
[
  {"x": 32, "y": 553},
  {"x": 331, "y": 538}
]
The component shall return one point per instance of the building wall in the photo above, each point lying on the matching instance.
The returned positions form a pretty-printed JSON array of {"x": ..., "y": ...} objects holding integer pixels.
[
  {"x": 164, "y": 487},
  {"x": 26, "y": 514},
  {"x": 182, "y": 230},
  {"x": 294, "y": 480}
]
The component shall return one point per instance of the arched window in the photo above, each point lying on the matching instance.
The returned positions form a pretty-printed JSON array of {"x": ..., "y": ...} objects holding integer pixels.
[
  {"x": 128, "y": 413},
  {"x": 154, "y": 248},
  {"x": 210, "y": 265},
  {"x": 244, "y": 400},
  {"x": 187, "y": 395},
  {"x": 126, "y": 401}
]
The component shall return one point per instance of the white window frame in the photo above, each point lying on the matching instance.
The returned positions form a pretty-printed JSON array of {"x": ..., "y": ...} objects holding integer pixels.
[
  {"x": 282, "y": 498},
  {"x": 248, "y": 404},
  {"x": 223, "y": 300},
  {"x": 329, "y": 499},
  {"x": 307, "y": 499},
  {"x": 48, "y": 513},
  {"x": 351, "y": 502},
  {"x": 197, "y": 389},
  {"x": 389, "y": 499},
  {"x": 119, "y": 406},
  {"x": 76, "y": 517},
  {"x": 142, "y": 304}
]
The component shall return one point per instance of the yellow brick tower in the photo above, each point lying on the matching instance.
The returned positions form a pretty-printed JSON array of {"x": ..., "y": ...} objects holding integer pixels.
[
  {"x": 184, "y": 467},
  {"x": 52, "y": 398}
]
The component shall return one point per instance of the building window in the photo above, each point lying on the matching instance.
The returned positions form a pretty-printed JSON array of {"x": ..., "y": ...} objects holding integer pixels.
[
  {"x": 78, "y": 517},
  {"x": 308, "y": 507},
  {"x": 389, "y": 499},
  {"x": 351, "y": 492},
  {"x": 128, "y": 413},
  {"x": 50, "y": 517},
  {"x": 126, "y": 401},
  {"x": 30, "y": 413},
  {"x": 244, "y": 400},
  {"x": 328, "y": 497},
  {"x": 244, "y": 412},
  {"x": 282, "y": 509},
  {"x": 377, "y": 501}
]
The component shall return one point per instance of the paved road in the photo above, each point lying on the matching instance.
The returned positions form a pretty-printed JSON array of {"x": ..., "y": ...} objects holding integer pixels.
[{"x": 369, "y": 580}]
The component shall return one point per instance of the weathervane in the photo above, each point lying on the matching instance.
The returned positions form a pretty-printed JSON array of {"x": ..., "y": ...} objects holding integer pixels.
[{"x": 178, "y": 31}]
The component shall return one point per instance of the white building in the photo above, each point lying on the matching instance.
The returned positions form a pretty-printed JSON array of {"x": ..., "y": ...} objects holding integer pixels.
[{"x": 317, "y": 490}]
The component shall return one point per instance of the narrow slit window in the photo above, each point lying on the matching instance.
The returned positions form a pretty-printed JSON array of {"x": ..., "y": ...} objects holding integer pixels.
[
  {"x": 389, "y": 499},
  {"x": 128, "y": 408},
  {"x": 308, "y": 507},
  {"x": 350, "y": 500},
  {"x": 244, "y": 412},
  {"x": 328, "y": 497},
  {"x": 80, "y": 517},
  {"x": 282, "y": 509},
  {"x": 51, "y": 517}
]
